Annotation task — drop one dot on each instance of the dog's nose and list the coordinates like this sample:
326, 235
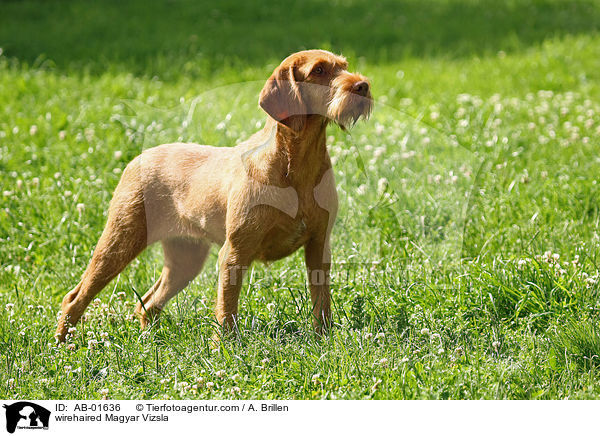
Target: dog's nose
361, 88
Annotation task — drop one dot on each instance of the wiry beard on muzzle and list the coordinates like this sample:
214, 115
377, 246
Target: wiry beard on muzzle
345, 108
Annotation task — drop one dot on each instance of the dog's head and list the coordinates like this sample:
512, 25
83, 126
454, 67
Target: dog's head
316, 82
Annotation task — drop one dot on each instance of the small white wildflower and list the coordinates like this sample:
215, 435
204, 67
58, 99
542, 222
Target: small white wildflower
68, 368
33, 130
235, 378
235, 390
80, 208
496, 345
425, 331
382, 185
271, 307
210, 385
72, 330
35, 181
9, 307
67, 193
221, 373
368, 335
315, 378
384, 362
62, 135
435, 336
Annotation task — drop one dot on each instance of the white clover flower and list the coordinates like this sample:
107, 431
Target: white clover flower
383, 362
382, 185
221, 373
62, 135
80, 208
33, 130
210, 385
425, 331
235, 390
235, 378
368, 335
72, 330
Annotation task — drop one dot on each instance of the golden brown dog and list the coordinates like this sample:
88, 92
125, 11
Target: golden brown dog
260, 200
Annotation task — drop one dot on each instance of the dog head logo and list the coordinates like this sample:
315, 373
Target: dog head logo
26, 415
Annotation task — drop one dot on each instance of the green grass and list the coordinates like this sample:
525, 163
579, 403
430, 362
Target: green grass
478, 168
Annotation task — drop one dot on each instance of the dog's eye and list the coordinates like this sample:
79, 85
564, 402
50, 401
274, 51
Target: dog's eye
318, 71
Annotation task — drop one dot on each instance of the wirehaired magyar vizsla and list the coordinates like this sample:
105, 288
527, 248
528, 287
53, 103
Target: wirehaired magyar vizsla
260, 200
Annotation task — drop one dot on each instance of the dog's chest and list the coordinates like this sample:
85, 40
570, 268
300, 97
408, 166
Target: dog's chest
284, 238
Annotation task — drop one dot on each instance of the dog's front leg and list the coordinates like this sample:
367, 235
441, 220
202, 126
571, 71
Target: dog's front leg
232, 267
318, 263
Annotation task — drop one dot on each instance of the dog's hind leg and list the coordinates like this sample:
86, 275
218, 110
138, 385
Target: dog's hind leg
184, 259
123, 238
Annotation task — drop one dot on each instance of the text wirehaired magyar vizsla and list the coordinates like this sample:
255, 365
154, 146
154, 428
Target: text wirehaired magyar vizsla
260, 200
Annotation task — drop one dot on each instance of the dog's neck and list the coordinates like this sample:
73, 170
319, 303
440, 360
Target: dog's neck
304, 151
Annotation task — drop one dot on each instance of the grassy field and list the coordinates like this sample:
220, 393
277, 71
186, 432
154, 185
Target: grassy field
466, 249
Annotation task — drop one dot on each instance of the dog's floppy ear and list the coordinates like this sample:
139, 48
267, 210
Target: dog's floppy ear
282, 100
